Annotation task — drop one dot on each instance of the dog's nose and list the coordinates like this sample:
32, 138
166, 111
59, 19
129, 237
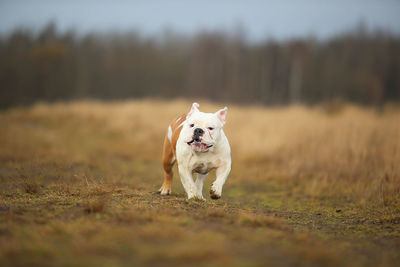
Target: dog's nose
198, 132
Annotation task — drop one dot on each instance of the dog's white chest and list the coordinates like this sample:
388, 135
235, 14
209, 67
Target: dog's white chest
203, 163
203, 167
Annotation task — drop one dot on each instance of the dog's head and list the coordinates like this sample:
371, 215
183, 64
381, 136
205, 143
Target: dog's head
202, 131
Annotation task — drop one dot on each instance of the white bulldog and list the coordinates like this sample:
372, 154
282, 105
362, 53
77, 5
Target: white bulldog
197, 143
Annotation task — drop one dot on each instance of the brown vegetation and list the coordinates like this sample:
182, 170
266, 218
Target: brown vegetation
308, 186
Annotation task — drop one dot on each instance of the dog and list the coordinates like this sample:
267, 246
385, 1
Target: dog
197, 143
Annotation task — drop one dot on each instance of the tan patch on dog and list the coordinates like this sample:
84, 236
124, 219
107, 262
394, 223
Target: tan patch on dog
169, 150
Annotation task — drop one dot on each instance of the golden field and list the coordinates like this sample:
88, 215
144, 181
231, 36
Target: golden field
309, 186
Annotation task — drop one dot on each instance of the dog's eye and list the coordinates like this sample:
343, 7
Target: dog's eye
191, 125
210, 128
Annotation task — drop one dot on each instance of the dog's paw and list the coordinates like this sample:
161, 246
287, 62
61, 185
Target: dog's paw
196, 197
214, 194
164, 191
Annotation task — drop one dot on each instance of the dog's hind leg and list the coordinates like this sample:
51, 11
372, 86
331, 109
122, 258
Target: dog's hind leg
168, 160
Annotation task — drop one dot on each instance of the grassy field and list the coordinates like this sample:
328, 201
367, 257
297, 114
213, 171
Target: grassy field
309, 186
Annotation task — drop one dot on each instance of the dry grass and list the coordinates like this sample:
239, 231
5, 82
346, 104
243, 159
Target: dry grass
316, 186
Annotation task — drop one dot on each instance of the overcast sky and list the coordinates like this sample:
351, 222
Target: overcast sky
261, 19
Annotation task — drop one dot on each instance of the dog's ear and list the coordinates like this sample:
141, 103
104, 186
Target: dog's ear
194, 109
221, 114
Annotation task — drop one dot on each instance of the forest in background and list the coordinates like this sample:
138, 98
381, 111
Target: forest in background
359, 66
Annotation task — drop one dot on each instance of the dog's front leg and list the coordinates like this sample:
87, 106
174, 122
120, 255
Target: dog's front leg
188, 183
222, 174
199, 184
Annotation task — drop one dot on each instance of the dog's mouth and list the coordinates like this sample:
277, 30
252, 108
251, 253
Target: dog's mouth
199, 146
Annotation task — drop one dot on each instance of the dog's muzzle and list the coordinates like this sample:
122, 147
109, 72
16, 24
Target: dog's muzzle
199, 146
196, 143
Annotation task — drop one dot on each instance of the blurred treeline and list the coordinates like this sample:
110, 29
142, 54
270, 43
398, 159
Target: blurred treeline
358, 66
